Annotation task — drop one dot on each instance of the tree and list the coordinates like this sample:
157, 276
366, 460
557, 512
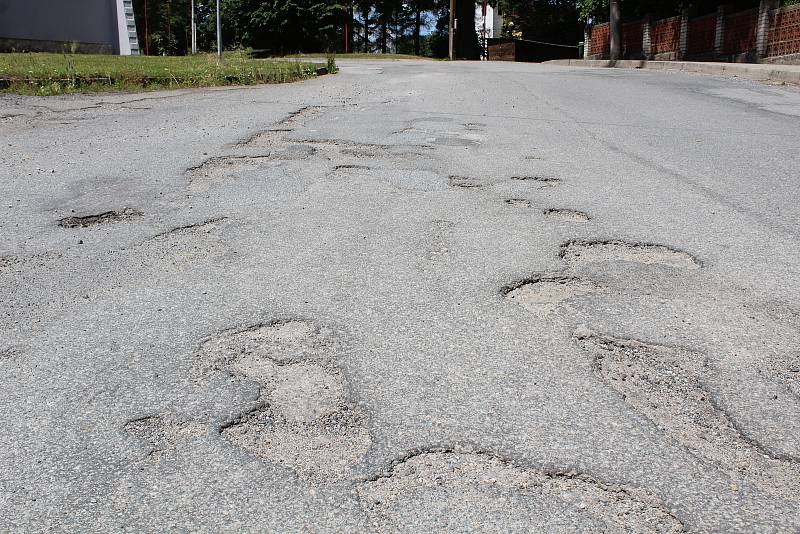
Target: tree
552, 21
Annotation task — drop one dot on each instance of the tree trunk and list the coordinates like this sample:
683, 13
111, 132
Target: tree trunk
365, 14
384, 35
417, 25
615, 29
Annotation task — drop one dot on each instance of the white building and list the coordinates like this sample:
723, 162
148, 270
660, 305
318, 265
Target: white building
492, 20
99, 26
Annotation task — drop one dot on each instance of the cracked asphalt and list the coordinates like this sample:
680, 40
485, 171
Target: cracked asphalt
414, 296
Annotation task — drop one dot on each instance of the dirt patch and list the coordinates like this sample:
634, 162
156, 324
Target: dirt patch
582, 252
518, 202
665, 385
567, 215
163, 432
543, 294
107, 217
463, 181
304, 419
544, 181
464, 491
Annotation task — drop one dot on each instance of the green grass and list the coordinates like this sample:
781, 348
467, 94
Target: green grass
49, 74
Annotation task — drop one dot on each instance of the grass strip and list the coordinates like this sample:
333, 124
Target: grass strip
53, 74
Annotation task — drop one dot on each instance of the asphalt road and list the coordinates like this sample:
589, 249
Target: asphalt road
412, 296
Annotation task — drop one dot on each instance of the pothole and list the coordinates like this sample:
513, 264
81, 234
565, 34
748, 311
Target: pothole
307, 424
304, 420
352, 167
544, 181
463, 181
267, 138
280, 341
582, 252
543, 294
567, 215
301, 116
665, 385
518, 202
163, 432
219, 168
83, 221
459, 491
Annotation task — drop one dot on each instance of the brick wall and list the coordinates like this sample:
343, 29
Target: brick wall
778, 36
702, 32
665, 36
740, 32
784, 31
600, 41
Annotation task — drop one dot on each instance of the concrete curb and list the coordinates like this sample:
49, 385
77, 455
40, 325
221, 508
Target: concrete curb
751, 71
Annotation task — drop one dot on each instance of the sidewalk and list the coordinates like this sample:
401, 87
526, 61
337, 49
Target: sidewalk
751, 71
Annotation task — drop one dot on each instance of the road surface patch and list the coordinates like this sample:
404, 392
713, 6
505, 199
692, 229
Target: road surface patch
665, 385
518, 202
450, 490
163, 432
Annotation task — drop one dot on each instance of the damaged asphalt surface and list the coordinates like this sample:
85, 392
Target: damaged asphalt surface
412, 296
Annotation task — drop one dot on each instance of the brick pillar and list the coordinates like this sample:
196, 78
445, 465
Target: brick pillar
647, 24
683, 39
587, 41
762, 31
719, 36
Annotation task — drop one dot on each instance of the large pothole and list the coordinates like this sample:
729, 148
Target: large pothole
454, 491
665, 385
304, 419
582, 252
541, 295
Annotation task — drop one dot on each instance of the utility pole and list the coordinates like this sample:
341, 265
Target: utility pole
194, 31
146, 32
615, 30
219, 34
452, 32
